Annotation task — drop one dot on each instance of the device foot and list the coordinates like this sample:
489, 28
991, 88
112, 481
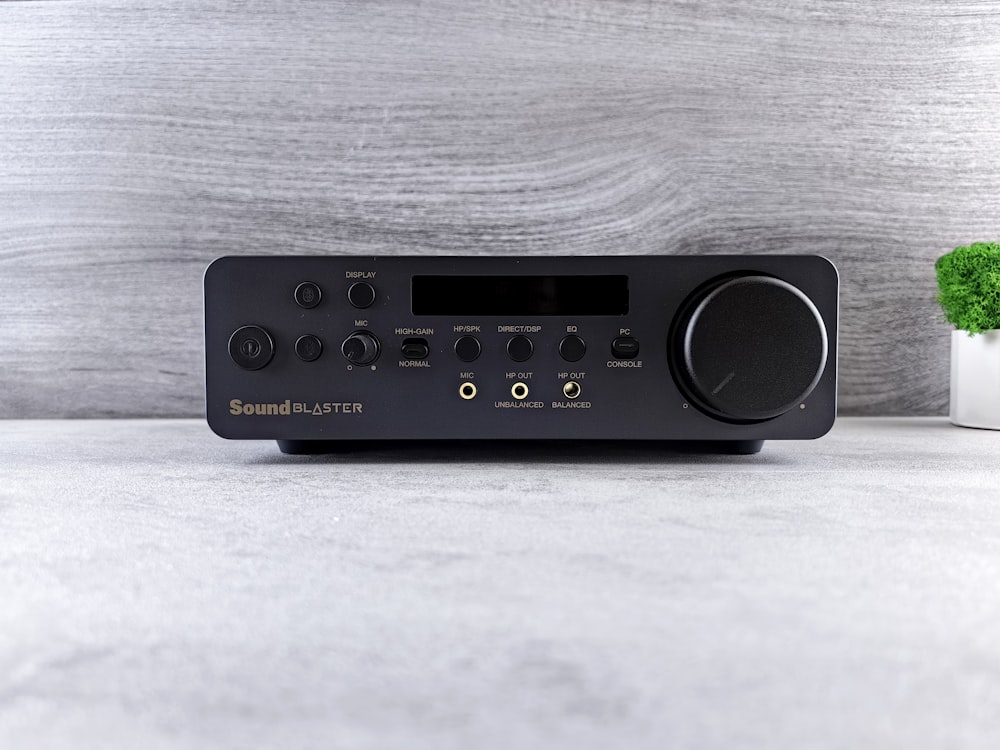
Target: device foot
312, 447
740, 447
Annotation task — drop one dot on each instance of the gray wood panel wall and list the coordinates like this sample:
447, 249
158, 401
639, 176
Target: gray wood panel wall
139, 140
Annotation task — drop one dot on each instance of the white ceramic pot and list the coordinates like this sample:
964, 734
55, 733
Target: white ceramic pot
975, 379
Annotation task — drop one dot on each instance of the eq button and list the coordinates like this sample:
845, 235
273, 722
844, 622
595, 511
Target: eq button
625, 347
520, 348
468, 348
361, 295
572, 348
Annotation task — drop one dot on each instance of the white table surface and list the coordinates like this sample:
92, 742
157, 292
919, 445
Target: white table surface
161, 587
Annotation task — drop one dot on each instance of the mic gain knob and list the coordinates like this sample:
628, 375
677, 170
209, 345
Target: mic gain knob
360, 348
748, 348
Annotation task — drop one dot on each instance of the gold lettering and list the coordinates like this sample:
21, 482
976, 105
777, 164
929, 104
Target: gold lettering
287, 407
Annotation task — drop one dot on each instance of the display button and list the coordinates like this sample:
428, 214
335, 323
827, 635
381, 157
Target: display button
360, 348
520, 348
251, 347
361, 294
625, 347
415, 349
308, 295
572, 348
308, 348
468, 348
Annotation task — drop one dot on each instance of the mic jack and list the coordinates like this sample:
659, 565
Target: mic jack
467, 391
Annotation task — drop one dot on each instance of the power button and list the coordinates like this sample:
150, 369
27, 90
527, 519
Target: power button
251, 347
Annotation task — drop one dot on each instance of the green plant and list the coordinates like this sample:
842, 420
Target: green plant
969, 286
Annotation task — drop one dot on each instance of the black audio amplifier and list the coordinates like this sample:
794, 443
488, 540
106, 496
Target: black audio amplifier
717, 352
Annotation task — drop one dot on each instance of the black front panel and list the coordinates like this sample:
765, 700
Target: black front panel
361, 348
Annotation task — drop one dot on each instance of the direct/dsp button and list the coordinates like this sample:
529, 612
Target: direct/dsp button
572, 348
520, 348
361, 295
625, 347
468, 348
308, 295
251, 347
308, 348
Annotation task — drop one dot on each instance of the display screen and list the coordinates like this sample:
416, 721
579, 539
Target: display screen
520, 295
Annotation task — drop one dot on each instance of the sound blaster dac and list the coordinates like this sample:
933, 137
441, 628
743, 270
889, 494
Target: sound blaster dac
717, 352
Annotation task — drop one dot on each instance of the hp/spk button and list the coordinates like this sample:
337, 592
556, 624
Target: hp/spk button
468, 348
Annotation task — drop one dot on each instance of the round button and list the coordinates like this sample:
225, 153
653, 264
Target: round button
308, 295
520, 348
251, 347
361, 294
750, 348
468, 348
572, 348
308, 348
360, 348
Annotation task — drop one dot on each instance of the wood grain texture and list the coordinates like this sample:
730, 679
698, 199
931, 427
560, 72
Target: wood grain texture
140, 140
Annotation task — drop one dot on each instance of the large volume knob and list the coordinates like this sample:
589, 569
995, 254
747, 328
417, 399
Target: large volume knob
360, 348
749, 348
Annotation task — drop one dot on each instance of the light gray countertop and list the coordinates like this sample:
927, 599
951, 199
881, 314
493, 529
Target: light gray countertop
161, 587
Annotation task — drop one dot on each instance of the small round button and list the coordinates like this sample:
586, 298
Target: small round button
468, 348
572, 348
251, 347
308, 348
520, 348
361, 294
360, 348
308, 295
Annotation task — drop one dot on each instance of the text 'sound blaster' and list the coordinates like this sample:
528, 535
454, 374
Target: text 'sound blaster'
719, 352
